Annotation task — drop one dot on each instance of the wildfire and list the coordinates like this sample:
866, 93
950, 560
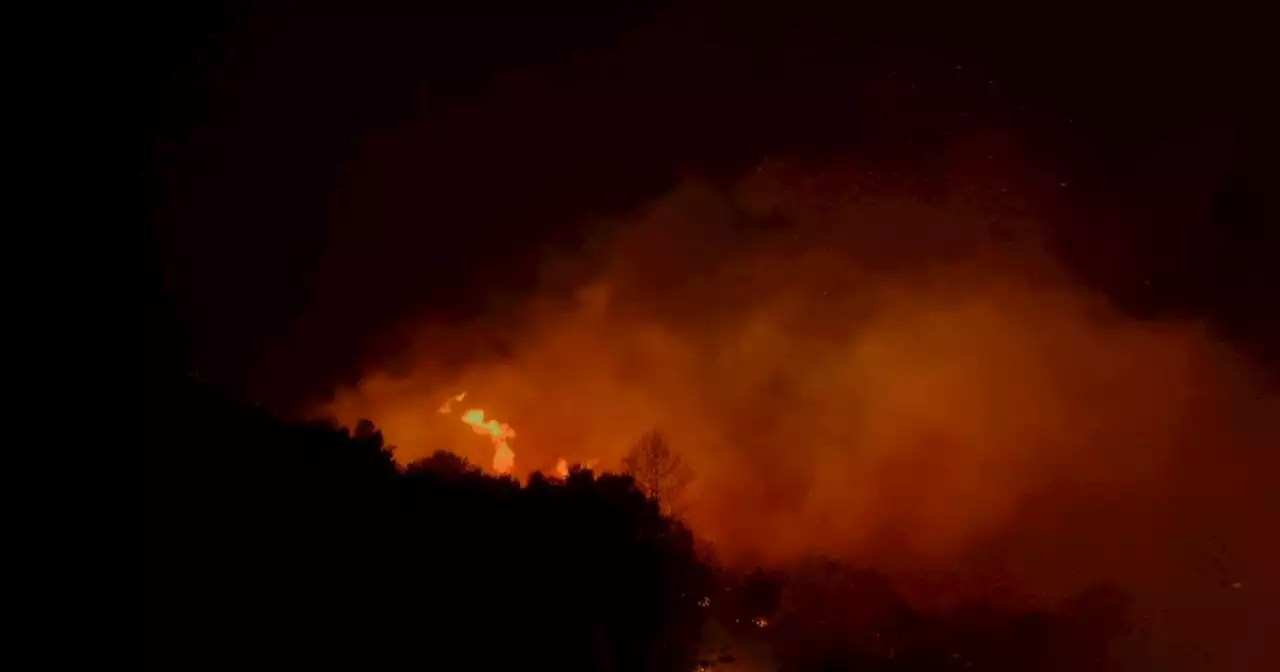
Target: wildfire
504, 459
447, 406
498, 432
562, 466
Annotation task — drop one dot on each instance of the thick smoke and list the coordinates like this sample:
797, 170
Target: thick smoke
907, 379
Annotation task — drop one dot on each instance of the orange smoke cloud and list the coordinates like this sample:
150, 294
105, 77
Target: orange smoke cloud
882, 377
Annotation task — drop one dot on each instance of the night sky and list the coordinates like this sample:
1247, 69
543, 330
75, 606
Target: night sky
320, 173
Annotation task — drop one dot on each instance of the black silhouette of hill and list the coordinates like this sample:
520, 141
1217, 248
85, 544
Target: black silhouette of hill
276, 544
304, 546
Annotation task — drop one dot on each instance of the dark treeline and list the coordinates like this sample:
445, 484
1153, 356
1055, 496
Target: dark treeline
304, 546
298, 547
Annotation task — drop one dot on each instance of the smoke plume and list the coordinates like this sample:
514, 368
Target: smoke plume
903, 377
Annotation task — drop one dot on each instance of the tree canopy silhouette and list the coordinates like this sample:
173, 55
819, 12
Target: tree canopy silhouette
659, 472
306, 546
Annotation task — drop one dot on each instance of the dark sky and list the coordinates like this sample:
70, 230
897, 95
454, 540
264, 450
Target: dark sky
319, 172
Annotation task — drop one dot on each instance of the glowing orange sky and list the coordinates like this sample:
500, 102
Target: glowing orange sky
883, 379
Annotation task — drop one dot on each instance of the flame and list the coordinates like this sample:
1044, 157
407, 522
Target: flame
562, 466
503, 457
447, 407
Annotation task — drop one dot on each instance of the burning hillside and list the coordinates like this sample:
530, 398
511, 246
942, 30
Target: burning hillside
860, 371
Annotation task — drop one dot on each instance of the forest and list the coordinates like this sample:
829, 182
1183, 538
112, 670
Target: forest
307, 546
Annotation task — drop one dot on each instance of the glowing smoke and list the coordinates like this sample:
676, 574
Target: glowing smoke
884, 378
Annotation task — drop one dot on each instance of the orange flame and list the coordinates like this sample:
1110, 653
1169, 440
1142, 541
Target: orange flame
447, 407
498, 432
504, 459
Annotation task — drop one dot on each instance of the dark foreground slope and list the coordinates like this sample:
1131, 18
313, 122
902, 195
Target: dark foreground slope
275, 545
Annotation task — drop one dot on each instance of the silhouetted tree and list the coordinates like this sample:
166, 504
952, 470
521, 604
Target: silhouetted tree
444, 462
659, 472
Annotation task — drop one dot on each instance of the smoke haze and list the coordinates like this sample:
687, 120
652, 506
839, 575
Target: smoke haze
857, 368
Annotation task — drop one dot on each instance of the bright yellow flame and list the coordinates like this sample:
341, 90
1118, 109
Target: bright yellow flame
504, 459
562, 468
